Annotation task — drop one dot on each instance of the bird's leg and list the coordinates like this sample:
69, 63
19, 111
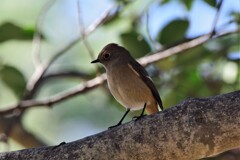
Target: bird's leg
142, 114
120, 122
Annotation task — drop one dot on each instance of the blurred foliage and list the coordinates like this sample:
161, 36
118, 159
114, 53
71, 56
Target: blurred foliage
11, 31
188, 4
209, 69
132, 39
14, 79
173, 33
212, 3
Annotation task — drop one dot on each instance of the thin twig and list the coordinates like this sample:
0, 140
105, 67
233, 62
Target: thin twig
219, 5
84, 37
82, 31
41, 70
88, 31
67, 74
8, 130
95, 82
36, 47
181, 47
82, 88
36, 43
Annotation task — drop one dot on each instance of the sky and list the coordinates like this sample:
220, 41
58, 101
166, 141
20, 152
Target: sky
201, 15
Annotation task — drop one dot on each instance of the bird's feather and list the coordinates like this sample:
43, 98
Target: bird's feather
145, 77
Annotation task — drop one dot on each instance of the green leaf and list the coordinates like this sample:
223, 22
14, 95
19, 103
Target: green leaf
173, 32
11, 31
14, 79
235, 18
188, 3
212, 3
164, 1
135, 43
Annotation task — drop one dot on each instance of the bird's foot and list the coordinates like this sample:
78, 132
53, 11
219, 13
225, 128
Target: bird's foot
114, 126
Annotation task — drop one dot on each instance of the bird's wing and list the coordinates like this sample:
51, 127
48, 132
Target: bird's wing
145, 77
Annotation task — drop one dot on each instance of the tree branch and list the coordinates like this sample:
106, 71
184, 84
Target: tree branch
82, 88
194, 129
38, 77
181, 47
36, 42
32, 84
219, 5
84, 38
67, 74
95, 82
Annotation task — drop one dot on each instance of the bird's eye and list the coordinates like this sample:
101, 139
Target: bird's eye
106, 56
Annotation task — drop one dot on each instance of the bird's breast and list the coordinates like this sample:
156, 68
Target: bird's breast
128, 88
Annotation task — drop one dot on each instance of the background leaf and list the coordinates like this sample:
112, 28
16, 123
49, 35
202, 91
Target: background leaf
14, 79
188, 3
11, 31
135, 43
212, 3
173, 32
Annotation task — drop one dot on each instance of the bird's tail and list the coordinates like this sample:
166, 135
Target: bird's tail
152, 108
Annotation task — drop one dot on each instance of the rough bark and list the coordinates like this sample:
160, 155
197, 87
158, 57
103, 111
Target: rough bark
196, 128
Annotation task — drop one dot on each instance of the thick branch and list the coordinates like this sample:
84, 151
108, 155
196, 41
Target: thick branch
194, 129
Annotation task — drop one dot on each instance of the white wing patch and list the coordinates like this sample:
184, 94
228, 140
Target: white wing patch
129, 65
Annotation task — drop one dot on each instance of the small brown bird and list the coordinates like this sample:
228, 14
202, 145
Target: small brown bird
128, 81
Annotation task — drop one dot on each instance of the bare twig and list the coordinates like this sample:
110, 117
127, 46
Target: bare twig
181, 47
14, 125
36, 47
84, 38
95, 82
82, 31
36, 44
219, 5
41, 70
82, 88
88, 31
76, 74
67, 74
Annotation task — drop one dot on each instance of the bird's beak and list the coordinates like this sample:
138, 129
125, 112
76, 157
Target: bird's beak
95, 61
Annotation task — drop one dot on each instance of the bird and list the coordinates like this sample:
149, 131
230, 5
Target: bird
128, 81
